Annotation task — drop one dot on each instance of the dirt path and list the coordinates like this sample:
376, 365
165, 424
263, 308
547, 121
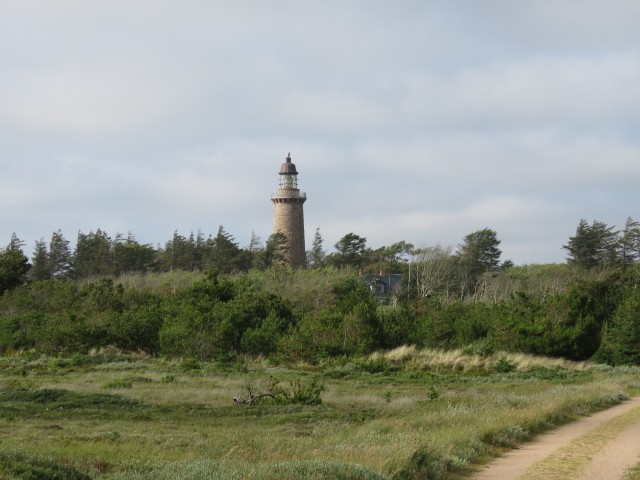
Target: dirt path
601, 446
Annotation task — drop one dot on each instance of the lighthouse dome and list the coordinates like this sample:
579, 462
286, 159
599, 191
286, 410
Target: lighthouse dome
288, 168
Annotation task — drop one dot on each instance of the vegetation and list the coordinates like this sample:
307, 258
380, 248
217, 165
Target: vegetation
310, 315
147, 348
98, 254
403, 413
633, 473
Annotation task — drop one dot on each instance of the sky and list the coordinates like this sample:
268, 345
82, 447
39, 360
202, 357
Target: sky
420, 121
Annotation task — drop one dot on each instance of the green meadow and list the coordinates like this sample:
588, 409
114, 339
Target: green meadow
399, 414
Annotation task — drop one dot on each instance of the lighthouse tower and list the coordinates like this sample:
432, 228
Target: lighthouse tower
288, 217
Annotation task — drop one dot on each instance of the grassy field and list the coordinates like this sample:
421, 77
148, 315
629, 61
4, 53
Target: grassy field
400, 414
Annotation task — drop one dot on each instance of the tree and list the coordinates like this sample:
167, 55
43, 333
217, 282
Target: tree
14, 265
592, 246
255, 244
392, 258
93, 254
15, 243
225, 254
479, 251
620, 342
276, 250
178, 253
431, 270
477, 257
41, 268
131, 256
316, 256
254, 251
350, 251
629, 245
60, 259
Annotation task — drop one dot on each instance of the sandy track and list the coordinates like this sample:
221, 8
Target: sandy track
601, 446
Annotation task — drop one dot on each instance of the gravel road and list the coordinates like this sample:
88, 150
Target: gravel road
601, 446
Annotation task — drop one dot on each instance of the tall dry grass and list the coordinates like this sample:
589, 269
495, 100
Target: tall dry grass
410, 357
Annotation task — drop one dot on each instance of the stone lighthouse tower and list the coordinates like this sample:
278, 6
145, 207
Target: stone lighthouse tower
288, 217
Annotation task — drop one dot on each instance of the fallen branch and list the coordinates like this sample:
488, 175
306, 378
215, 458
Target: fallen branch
252, 398
297, 393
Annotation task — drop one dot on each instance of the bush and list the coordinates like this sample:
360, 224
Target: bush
304, 394
503, 365
377, 365
621, 337
189, 364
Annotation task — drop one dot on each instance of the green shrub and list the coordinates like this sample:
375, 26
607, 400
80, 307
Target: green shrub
503, 365
621, 338
189, 364
305, 394
377, 365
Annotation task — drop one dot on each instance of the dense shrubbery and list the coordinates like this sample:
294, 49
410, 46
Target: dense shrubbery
222, 317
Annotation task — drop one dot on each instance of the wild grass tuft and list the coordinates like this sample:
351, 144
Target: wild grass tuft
411, 357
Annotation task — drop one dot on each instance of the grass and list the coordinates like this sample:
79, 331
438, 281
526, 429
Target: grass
633, 473
407, 413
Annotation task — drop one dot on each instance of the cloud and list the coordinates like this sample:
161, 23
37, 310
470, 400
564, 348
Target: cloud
538, 92
104, 98
421, 121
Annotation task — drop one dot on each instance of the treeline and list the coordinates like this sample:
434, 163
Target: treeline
98, 254
461, 272
246, 303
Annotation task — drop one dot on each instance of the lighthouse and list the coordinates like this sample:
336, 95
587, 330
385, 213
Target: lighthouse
288, 217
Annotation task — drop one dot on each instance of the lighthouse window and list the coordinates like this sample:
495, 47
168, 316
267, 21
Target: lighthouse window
288, 181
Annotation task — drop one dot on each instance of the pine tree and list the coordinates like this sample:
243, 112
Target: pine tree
276, 251
254, 252
477, 258
480, 251
350, 251
255, 244
621, 337
630, 242
60, 260
93, 255
316, 256
41, 267
131, 256
225, 254
15, 243
14, 265
593, 245
178, 253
